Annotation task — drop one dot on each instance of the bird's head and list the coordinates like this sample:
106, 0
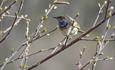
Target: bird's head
59, 18
63, 23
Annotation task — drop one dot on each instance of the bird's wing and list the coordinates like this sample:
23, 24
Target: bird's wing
73, 22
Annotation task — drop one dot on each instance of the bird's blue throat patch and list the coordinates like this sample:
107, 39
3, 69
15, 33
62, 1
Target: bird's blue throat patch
63, 24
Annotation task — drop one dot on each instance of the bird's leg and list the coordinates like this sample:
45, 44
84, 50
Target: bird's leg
65, 40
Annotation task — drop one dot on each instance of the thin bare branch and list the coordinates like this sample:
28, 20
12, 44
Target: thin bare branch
10, 6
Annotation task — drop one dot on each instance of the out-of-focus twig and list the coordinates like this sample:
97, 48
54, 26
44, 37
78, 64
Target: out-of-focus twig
99, 13
30, 55
87, 39
23, 64
15, 20
24, 44
8, 59
10, 6
101, 43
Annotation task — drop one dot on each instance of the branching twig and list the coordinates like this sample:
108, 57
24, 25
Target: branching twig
99, 13
43, 18
19, 19
25, 53
8, 31
10, 58
101, 43
10, 6
24, 44
32, 54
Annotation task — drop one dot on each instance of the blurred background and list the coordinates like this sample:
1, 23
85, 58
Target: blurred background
67, 59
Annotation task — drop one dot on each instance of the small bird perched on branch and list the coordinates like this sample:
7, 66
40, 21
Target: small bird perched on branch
68, 26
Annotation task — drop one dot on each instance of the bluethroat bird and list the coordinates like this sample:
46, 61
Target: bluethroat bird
69, 27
